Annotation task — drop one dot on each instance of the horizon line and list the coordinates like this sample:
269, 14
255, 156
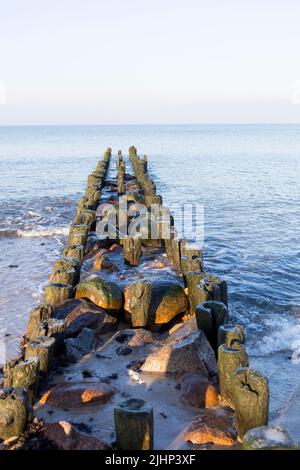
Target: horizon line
160, 124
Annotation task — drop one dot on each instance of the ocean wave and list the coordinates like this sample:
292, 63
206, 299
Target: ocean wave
284, 336
34, 233
43, 232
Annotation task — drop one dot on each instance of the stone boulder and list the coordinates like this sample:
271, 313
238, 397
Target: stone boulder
154, 304
197, 391
103, 262
65, 436
83, 344
81, 313
213, 425
140, 337
103, 293
77, 394
168, 299
183, 351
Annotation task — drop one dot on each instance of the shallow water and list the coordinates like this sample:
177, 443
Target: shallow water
247, 178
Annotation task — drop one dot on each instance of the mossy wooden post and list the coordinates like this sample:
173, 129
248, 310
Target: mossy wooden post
137, 302
229, 360
217, 313
250, 397
191, 250
39, 314
78, 234
74, 251
86, 217
53, 328
230, 335
269, 438
41, 347
176, 252
188, 265
23, 374
15, 412
168, 244
203, 287
134, 425
132, 250
57, 294
66, 263
62, 276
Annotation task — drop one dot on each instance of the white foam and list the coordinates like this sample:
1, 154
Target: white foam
43, 232
284, 336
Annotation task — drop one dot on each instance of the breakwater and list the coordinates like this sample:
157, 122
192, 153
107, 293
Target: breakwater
122, 308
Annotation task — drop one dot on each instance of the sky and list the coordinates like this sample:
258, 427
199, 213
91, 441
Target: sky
143, 62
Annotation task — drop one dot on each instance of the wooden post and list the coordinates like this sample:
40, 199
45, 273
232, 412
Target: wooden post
137, 302
41, 347
250, 396
57, 294
74, 251
230, 334
229, 360
217, 313
132, 250
39, 314
15, 412
269, 438
23, 374
134, 425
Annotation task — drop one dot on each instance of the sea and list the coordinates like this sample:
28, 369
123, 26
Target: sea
244, 179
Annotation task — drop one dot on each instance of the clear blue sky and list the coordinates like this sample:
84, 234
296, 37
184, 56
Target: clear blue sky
157, 61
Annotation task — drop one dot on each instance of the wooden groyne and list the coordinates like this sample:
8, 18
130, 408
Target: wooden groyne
133, 346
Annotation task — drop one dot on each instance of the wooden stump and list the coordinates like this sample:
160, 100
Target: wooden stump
210, 316
134, 425
23, 374
132, 250
230, 335
74, 251
39, 314
229, 360
137, 302
41, 347
15, 412
250, 395
57, 294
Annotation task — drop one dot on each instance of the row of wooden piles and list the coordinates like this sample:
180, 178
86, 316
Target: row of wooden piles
242, 389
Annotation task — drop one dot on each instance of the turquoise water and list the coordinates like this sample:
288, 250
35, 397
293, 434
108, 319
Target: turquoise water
247, 179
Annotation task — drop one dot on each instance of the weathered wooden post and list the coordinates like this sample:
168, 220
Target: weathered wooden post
137, 298
269, 438
250, 396
53, 328
188, 265
15, 412
229, 360
132, 250
86, 217
209, 317
39, 314
134, 425
67, 277
23, 374
230, 334
78, 234
74, 251
41, 347
203, 287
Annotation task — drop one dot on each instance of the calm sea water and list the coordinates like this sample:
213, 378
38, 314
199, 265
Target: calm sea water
247, 178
